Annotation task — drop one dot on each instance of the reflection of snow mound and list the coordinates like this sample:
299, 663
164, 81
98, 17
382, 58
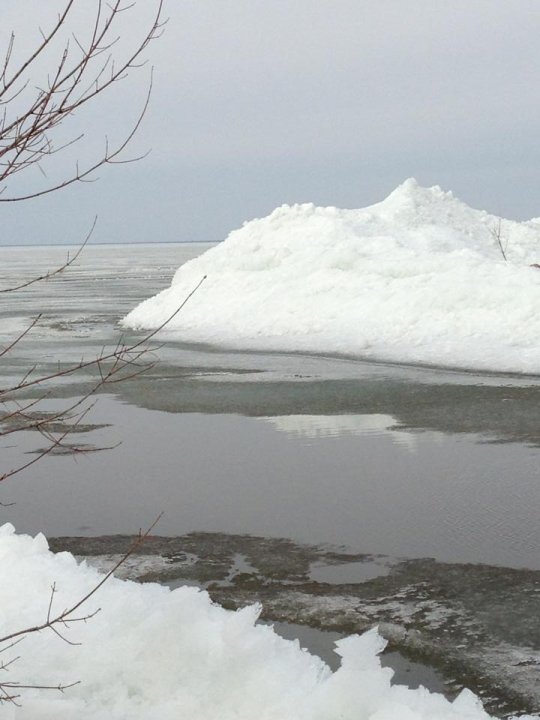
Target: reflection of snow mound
155, 653
318, 426
417, 278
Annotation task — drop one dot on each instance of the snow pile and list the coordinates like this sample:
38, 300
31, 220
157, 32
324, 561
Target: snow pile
419, 278
155, 653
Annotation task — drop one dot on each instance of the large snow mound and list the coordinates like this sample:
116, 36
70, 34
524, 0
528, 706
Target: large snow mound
418, 278
155, 653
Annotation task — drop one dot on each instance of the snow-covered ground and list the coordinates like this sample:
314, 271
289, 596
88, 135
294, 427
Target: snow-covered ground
417, 278
155, 653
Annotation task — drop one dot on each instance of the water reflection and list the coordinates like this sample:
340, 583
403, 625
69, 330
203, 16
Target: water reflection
493, 414
320, 426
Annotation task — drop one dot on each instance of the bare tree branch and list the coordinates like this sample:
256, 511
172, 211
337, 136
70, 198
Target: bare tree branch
26, 138
30, 116
47, 276
9, 691
66, 615
122, 354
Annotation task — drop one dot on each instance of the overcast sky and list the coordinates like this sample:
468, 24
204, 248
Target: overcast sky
262, 102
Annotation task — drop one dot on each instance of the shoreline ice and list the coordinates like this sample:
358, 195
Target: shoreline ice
153, 652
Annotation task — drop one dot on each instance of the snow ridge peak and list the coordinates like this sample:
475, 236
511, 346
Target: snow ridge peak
411, 190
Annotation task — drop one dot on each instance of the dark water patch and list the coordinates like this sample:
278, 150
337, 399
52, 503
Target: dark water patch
406, 672
344, 479
339, 574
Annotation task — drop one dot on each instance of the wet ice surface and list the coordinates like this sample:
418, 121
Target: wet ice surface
383, 461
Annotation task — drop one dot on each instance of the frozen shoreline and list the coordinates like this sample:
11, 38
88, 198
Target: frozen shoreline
444, 615
152, 652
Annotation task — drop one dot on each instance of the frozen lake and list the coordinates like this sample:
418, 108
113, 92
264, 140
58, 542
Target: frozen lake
385, 459
325, 482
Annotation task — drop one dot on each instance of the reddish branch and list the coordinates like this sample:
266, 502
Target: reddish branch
84, 70
29, 119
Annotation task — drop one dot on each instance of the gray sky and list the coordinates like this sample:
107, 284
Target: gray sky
262, 102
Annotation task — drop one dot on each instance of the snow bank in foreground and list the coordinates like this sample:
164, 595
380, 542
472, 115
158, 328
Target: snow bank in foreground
417, 278
155, 653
